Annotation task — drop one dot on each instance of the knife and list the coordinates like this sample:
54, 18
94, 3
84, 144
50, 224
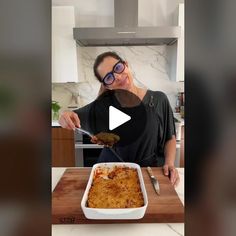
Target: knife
154, 180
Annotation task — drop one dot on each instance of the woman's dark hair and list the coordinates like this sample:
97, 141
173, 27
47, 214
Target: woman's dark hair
99, 60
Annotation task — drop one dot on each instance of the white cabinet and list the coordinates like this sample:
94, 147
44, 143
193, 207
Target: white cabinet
175, 52
64, 57
180, 44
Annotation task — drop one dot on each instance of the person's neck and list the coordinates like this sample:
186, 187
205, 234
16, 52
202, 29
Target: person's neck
134, 89
139, 92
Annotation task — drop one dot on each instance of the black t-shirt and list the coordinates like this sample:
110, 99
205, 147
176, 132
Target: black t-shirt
148, 149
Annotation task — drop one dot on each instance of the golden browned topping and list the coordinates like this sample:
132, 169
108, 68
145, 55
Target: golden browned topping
116, 188
108, 139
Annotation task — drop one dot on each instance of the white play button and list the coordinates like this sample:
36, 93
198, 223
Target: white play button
117, 118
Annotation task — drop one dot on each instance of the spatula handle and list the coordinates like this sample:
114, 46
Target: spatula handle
150, 171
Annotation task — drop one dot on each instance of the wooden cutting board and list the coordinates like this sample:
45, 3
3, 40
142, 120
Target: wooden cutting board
67, 195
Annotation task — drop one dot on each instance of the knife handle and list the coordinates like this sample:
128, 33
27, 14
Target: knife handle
150, 171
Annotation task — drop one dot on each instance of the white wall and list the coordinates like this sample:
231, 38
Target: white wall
92, 13
156, 12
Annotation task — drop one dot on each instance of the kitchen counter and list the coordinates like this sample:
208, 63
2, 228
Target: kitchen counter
55, 124
179, 118
171, 229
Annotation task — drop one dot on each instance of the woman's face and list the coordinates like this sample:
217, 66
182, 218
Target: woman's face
123, 80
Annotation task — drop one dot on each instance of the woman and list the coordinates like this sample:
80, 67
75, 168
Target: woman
157, 144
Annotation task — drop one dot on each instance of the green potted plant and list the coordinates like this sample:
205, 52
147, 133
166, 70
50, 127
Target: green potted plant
55, 108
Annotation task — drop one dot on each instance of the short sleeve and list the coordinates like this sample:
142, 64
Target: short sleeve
94, 116
83, 114
168, 119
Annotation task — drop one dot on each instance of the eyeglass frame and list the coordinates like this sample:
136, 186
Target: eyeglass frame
112, 72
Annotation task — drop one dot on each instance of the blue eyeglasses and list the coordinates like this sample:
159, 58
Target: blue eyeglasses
118, 68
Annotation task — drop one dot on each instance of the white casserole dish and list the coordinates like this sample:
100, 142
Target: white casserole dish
121, 213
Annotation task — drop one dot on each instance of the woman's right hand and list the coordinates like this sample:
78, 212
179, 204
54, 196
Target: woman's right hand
69, 120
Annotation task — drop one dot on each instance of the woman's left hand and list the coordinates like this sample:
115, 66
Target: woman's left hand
172, 172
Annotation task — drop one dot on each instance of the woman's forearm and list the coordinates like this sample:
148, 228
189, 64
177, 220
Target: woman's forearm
170, 151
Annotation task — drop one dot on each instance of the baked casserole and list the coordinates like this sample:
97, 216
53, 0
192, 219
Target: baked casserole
116, 187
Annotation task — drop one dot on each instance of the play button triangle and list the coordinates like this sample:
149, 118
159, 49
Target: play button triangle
117, 118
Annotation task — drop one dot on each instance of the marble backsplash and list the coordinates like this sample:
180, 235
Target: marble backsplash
149, 65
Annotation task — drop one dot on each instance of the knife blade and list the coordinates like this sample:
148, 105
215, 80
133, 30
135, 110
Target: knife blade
154, 180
